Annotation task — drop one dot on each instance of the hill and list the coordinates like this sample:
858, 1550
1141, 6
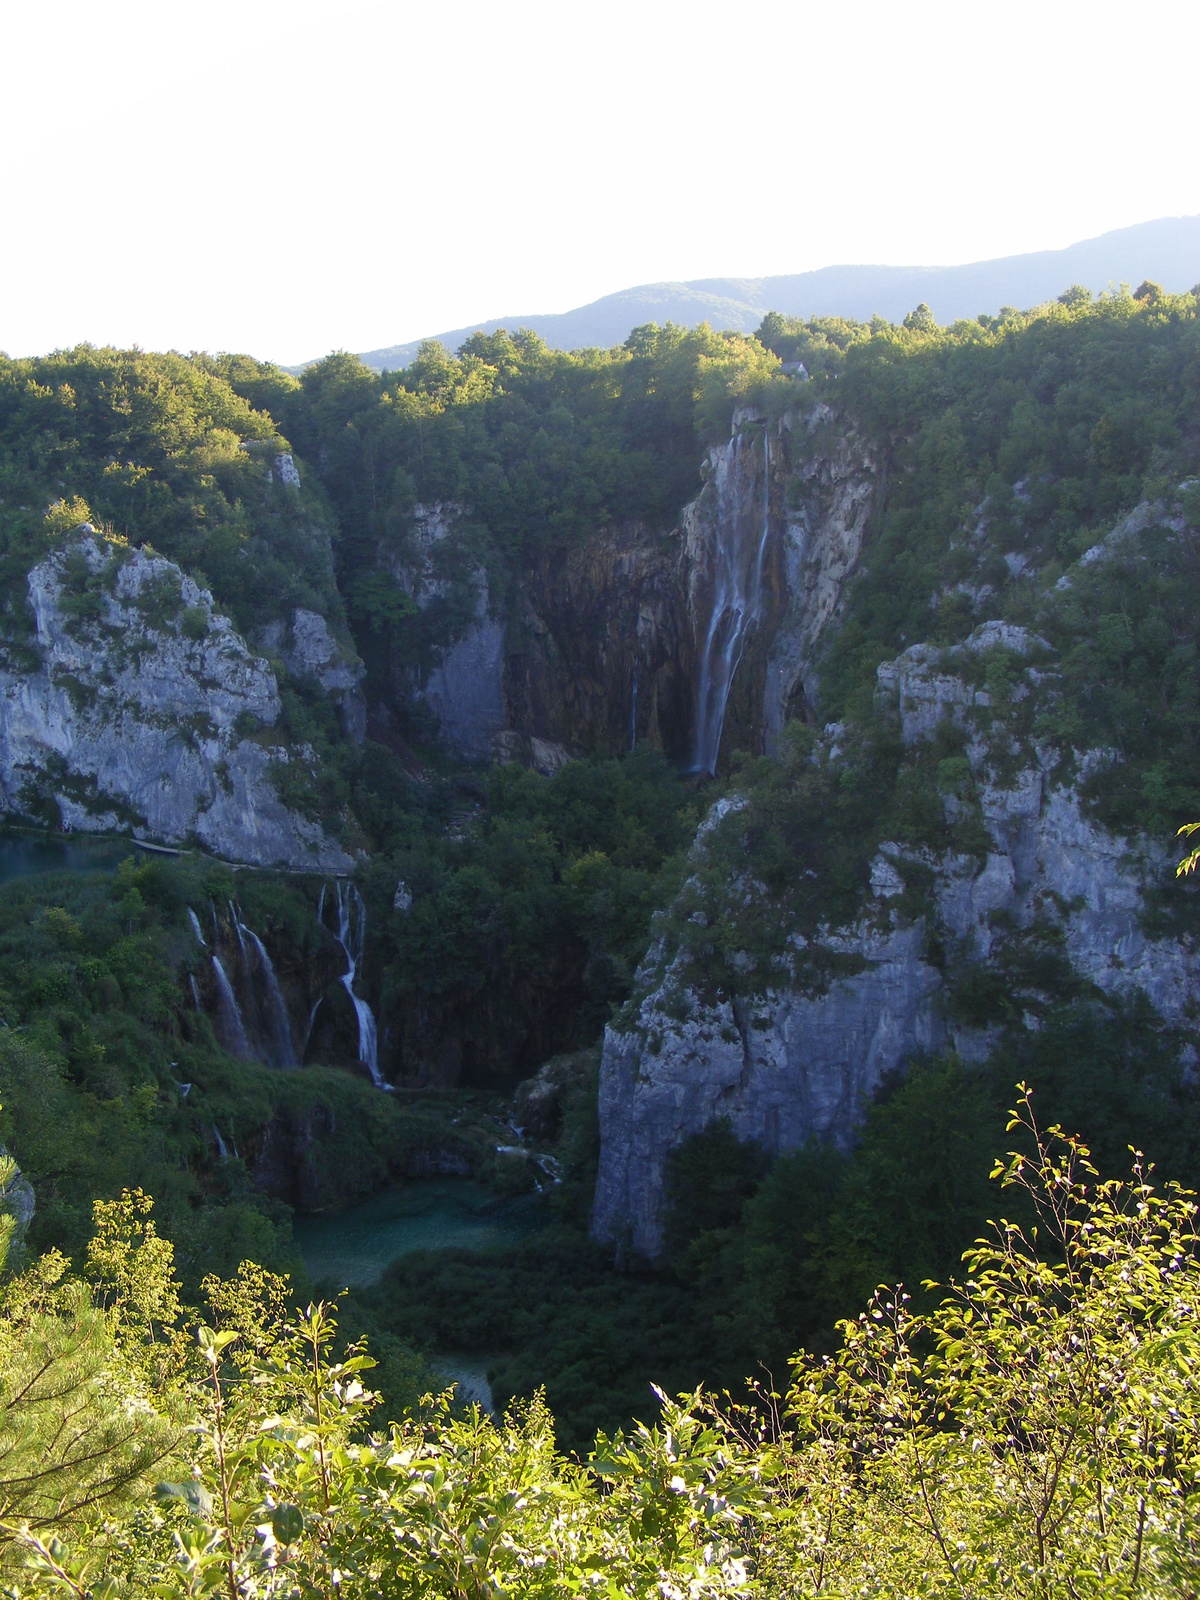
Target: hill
1166, 251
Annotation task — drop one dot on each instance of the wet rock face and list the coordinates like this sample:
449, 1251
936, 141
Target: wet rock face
601, 656
605, 643
148, 711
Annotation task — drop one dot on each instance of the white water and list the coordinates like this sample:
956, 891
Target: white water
281, 1027
739, 557
195, 921
351, 935
195, 992
232, 1026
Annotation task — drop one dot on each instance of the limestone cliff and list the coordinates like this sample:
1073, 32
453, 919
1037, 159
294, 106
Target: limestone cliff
137, 706
798, 1062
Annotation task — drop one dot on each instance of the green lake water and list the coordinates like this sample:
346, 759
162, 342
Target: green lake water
351, 1248
26, 856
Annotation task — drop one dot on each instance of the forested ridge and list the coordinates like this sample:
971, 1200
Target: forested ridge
541, 908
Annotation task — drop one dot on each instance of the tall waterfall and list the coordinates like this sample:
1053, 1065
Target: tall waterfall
233, 1028
739, 555
281, 1028
351, 935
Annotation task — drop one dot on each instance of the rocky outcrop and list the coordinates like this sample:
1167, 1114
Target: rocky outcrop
146, 711
788, 1066
18, 1201
783, 1069
309, 651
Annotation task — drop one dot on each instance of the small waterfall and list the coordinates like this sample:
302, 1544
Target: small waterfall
281, 1027
195, 992
351, 935
195, 921
233, 1029
739, 558
237, 927
224, 1151
312, 1017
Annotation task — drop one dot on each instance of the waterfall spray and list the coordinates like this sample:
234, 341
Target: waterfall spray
740, 556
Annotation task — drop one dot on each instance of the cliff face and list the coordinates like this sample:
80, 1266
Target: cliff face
139, 706
695, 641
791, 1065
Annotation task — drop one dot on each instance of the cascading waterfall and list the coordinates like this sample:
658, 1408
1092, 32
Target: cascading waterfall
281, 1027
351, 936
195, 992
739, 558
195, 921
232, 1026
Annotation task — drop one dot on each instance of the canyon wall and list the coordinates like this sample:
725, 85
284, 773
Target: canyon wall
798, 1063
695, 640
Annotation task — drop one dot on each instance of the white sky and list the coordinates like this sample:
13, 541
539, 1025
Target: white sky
291, 178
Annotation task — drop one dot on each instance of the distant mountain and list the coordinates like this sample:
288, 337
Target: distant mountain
1167, 251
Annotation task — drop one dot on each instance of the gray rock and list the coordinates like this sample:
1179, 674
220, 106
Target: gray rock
784, 1069
789, 1066
141, 716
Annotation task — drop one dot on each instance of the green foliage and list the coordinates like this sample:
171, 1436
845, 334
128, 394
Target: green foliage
276, 1486
530, 911
162, 448
1036, 1433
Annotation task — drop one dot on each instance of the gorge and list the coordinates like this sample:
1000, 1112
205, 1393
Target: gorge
801, 716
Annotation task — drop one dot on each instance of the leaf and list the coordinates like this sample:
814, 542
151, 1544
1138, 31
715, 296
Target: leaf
287, 1523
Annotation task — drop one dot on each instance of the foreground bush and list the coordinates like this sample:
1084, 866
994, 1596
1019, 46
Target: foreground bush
1036, 1435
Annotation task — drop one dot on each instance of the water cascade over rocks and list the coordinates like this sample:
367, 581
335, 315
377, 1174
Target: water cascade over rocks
742, 532
233, 1027
351, 935
252, 1015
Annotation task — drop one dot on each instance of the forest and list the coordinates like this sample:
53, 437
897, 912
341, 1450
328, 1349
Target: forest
751, 1412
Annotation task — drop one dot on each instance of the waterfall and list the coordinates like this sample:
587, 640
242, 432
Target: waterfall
312, 1017
223, 1150
232, 1027
195, 921
237, 927
351, 935
195, 992
281, 1027
739, 557
633, 709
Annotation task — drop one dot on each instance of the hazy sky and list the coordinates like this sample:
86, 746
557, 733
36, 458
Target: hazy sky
290, 178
